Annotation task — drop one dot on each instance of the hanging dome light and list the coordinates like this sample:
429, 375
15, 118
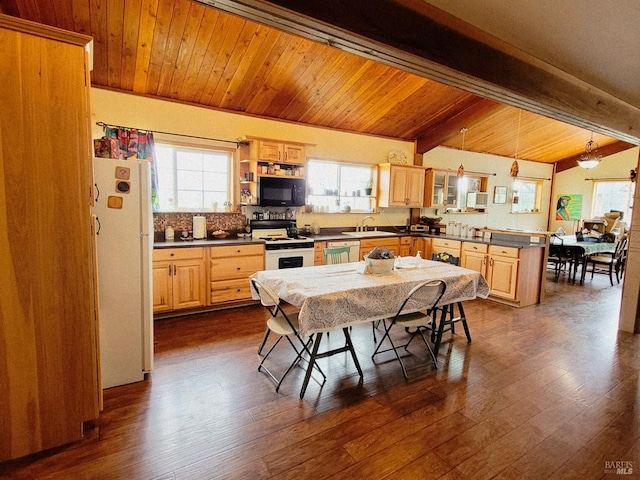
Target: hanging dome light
590, 158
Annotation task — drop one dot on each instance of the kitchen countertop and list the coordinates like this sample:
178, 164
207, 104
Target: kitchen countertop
233, 240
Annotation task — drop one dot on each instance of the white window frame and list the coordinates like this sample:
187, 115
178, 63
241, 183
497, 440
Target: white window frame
596, 210
182, 147
345, 199
516, 205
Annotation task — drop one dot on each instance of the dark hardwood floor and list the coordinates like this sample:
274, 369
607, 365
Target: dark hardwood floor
544, 392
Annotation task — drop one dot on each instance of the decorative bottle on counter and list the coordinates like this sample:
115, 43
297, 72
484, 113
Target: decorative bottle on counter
168, 233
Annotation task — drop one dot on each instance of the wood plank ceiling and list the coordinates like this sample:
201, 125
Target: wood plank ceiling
190, 52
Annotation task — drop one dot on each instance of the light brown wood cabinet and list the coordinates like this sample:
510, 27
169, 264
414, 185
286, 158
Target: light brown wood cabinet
318, 252
400, 185
405, 247
230, 268
502, 271
49, 380
440, 188
179, 278
392, 243
278, 152
445, 245
474, 257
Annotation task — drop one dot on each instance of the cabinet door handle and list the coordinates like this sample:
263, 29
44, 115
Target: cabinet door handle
169, 270
174, 269
491, 262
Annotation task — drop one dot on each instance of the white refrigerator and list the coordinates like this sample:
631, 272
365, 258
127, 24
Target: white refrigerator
124, 233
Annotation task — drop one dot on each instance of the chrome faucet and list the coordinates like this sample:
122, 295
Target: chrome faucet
362, 227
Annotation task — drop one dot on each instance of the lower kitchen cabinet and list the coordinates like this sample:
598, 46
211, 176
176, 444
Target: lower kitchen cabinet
502, 271
230, 269
444, 245
474, 257
405, 246
318, 253
179, 278
392, 244
514, 274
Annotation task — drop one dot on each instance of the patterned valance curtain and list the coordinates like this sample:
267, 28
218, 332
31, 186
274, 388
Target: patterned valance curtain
126, 143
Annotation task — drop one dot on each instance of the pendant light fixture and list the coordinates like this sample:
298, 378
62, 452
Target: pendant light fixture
590, 158
460, 172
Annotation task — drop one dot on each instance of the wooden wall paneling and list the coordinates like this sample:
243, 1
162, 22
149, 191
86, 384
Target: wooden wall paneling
148, 16
100, 36
81, 14
253, 79
194, 26
334, 75
130, 32
182, 85
224, 40
313, 85
63, 14
248, 41
287, 83
172, 45
115, 32
279, 77
160, 34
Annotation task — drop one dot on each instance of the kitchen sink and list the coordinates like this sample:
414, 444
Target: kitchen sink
369, 233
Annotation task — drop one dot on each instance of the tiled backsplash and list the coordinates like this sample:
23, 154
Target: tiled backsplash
231, 222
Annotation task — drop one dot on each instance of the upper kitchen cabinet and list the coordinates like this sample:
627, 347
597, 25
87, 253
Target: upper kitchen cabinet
441, 188
279, 152
48, 354
400, 185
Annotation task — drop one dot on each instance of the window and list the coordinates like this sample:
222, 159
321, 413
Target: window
612, 196
339, 187
192, 179
526, 196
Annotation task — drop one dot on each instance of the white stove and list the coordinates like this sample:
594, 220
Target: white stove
283, 247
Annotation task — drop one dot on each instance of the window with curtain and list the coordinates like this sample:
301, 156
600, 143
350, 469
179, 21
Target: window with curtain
192, 179
339, 187
527, 196
616, 195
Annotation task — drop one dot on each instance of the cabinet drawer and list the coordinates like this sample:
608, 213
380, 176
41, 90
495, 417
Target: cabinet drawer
235, 250
238, 267
496, 250
184, 253
405, 240
445, 243
475, 247
229, 290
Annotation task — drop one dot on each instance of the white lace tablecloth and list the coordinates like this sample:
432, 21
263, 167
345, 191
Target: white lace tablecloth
335, 296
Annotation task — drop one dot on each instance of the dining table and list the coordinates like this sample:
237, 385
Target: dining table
339, 296
580, 250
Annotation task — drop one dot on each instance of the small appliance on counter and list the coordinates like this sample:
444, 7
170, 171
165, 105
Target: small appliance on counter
199, 227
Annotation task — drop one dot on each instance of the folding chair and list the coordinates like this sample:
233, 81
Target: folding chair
418, 311
285, 326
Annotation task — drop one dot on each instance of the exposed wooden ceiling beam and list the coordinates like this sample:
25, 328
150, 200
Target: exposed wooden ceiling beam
417, 37
449, 128
605, 151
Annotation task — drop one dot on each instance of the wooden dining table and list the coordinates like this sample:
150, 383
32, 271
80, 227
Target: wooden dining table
336, 297
580, 251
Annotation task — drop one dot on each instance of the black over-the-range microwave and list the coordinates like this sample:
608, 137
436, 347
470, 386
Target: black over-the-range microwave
281, 192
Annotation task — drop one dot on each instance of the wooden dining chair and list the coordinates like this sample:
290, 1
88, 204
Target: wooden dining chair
418, 310
448, 318
559, 258
609, 262
285, 326
333, 255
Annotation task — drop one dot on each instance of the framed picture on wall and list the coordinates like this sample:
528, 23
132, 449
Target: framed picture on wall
500, 195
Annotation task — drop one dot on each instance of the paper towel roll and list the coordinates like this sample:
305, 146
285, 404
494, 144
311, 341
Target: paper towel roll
199, 227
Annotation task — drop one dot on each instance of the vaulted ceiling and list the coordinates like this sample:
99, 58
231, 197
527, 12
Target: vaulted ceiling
191, 52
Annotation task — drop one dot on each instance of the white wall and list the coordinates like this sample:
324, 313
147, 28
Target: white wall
158, 115
497, 215
573, 181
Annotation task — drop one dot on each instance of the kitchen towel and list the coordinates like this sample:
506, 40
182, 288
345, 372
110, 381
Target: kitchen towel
199, 227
